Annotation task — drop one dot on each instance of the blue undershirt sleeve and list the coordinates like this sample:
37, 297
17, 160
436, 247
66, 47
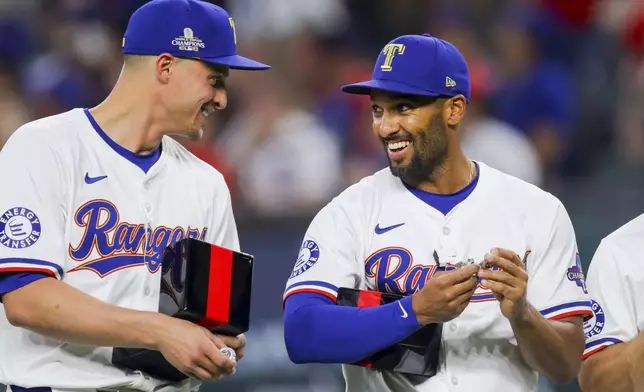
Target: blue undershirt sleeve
13, 281
316, 330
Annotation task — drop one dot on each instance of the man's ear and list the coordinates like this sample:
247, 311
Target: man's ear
164, 65
454, 110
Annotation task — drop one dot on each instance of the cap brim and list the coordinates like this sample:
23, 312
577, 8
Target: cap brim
365, 88
237, 62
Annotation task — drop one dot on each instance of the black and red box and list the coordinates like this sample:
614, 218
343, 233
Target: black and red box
202, 283
418, 354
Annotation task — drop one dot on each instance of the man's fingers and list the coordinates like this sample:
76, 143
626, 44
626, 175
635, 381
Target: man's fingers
213, 360
464, 298
234, 342
496, 287
207, 367
240, 353
215, 339
506, 266
502, 263
216, 357
237, 343
220, 363
509, 255
460, 275
199, 373
464, 287
499, 276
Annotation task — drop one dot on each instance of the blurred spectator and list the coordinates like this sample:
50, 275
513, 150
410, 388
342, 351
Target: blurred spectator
13, 110
348, 116
500, 146
208, 151
283, 19
534, 95
625, 20
287, 162
485, 138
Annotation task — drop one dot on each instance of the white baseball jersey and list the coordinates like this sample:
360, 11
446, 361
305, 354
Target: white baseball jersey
75, 207
378, 236
615, 286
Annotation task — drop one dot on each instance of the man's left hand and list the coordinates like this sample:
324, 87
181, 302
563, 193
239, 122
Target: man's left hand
508, 284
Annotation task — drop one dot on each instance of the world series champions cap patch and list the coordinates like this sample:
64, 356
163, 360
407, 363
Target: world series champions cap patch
186, 28
418, 65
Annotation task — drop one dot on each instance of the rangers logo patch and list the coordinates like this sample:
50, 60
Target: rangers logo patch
309, 255
19, 228
576, 274
595, 325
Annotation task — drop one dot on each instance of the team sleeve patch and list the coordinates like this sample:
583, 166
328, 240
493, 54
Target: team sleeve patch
595, 325
31, 265
19, 228
592, 330
568, 309
312, 286
308, 256
598, 345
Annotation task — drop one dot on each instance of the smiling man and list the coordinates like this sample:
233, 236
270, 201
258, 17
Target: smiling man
409, 230
91, 198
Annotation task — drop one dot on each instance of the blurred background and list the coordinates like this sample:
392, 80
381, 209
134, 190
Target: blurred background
558, 100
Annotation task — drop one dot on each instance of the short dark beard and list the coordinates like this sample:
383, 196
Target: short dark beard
430, 152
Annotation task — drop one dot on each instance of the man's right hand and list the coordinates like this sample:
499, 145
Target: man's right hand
55, 309
193, 350
445, 296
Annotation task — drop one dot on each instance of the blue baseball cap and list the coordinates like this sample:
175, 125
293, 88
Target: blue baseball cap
418, 65
186, 28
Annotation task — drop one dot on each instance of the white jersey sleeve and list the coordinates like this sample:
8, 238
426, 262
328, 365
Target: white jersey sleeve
32, 205
556, 285
327, 259
614, 300
223, 228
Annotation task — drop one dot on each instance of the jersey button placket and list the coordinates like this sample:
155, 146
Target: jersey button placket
147, 212
147, 208
447, 251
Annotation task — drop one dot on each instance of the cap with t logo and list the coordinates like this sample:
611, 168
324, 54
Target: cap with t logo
418, 65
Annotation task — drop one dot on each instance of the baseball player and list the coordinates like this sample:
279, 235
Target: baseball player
91, 197
613, 358
404, 229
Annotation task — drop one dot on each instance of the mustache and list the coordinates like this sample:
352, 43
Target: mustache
398, 137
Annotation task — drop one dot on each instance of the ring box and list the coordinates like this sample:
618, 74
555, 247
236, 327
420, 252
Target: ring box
418, 354
202, 283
